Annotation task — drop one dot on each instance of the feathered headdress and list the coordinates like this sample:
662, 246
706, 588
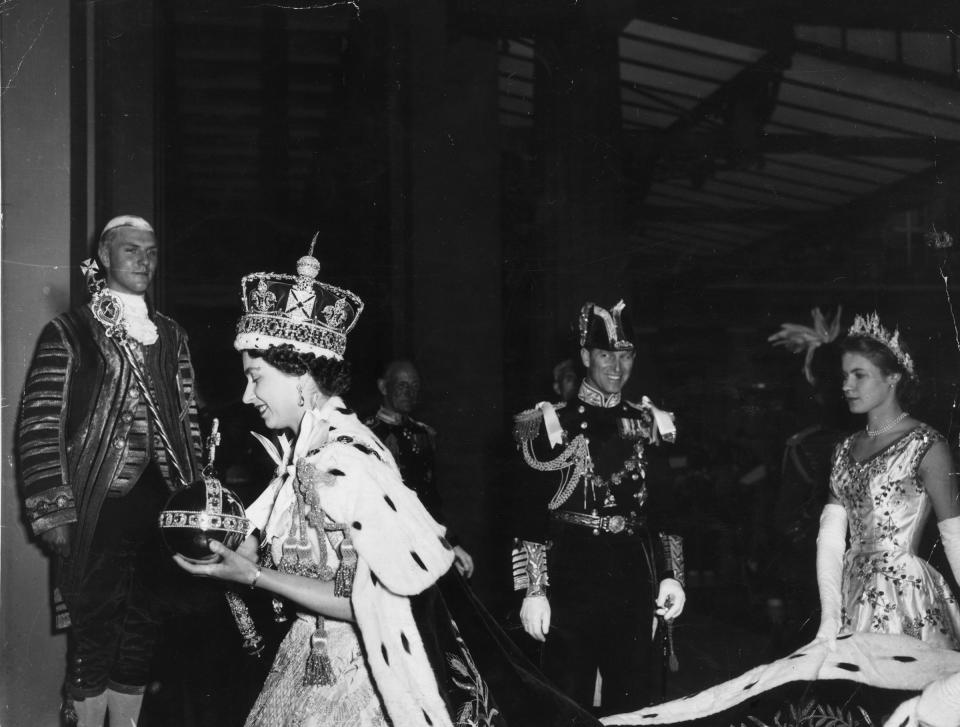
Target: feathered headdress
797, 338
607, 329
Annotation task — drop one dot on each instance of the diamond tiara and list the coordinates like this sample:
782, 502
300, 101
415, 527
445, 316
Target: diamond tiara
869, 326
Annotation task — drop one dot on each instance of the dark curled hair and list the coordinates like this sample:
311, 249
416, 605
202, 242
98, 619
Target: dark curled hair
908, 389
332, 376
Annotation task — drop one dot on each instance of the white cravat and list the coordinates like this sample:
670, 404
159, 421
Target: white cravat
136, 319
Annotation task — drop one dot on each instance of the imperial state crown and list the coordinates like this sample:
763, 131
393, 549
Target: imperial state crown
298, 310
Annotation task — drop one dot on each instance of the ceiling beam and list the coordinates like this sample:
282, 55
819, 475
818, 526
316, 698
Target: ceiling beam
867, 146
912, 192
770, 64
729, 215
822, 144
743, 21
896, 69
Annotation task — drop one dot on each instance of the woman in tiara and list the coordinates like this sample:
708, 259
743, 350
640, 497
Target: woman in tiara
363, 564
885, 480
889, 624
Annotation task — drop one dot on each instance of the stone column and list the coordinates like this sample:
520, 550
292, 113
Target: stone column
453, 258
582, 252
125, 110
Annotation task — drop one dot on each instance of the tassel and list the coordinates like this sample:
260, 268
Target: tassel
319, 669
69, 711
343, 583
61, 617
252, 641
278, 613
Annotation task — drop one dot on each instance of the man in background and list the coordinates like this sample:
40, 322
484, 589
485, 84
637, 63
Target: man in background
412, 444
566, 380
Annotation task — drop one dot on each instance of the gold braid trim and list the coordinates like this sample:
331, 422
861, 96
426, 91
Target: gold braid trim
673, 556
538, 576
252, 640
526, 425
574, 463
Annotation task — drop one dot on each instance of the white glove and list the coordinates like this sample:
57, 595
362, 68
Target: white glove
905, 715
535, 616
939, 705
831, 542
950, 535
670, 599
463, 561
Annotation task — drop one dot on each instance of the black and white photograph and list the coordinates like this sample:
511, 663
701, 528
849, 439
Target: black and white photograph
479, 363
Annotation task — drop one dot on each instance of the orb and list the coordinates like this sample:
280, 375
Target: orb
204, 511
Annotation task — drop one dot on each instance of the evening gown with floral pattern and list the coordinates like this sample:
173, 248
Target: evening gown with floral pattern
887, 587
900, 620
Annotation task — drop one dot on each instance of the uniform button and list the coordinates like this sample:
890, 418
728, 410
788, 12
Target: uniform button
134, 392
118, 443
126, 417
586, 440
580, 410
583, 425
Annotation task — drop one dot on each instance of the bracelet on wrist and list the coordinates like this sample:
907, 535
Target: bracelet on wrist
256, 577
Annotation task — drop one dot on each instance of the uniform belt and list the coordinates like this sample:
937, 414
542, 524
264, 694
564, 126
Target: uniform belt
614, 524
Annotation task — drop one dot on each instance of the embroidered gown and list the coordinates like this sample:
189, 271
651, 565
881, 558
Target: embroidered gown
287, 699
339, 511
887, 587
900, 621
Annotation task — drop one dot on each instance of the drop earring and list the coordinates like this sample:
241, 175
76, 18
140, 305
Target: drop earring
300, 394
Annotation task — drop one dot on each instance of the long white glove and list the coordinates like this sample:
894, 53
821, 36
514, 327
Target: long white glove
831, 542
938, 706
950, 535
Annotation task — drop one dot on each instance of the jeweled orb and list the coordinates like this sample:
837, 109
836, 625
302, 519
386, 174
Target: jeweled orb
204, 511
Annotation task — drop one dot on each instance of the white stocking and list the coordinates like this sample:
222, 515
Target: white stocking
91, 711
124, 708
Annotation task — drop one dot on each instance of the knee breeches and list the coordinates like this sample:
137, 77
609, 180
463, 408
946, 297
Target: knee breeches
115, 624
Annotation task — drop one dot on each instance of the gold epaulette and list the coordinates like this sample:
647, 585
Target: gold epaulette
431, 432
526, 424
664, 421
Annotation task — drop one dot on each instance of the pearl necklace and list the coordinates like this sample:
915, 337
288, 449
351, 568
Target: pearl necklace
886, 427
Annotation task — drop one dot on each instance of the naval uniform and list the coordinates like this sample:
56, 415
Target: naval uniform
587, 504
